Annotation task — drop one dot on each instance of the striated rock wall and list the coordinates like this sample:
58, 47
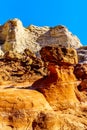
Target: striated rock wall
15, 37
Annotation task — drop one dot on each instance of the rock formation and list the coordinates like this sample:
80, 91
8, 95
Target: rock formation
41, 90
13, 36
59, 56
59, 86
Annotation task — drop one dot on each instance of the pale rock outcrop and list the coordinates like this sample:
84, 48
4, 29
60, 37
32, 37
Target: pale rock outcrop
58, 36
15, 37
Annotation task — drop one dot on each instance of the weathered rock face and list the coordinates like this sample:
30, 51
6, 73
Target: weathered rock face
22, 69
13, 36
59, 86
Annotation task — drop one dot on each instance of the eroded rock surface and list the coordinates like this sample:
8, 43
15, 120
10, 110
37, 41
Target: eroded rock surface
20, 69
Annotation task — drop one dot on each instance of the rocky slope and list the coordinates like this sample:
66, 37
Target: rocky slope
41, 93
13, 36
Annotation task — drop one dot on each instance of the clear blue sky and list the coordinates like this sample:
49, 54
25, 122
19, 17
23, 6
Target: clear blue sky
71, 13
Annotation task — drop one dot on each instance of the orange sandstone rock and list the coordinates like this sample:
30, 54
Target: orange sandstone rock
58, 87
18, 108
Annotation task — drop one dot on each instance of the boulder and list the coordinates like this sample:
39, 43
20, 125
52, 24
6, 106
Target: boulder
59, 55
